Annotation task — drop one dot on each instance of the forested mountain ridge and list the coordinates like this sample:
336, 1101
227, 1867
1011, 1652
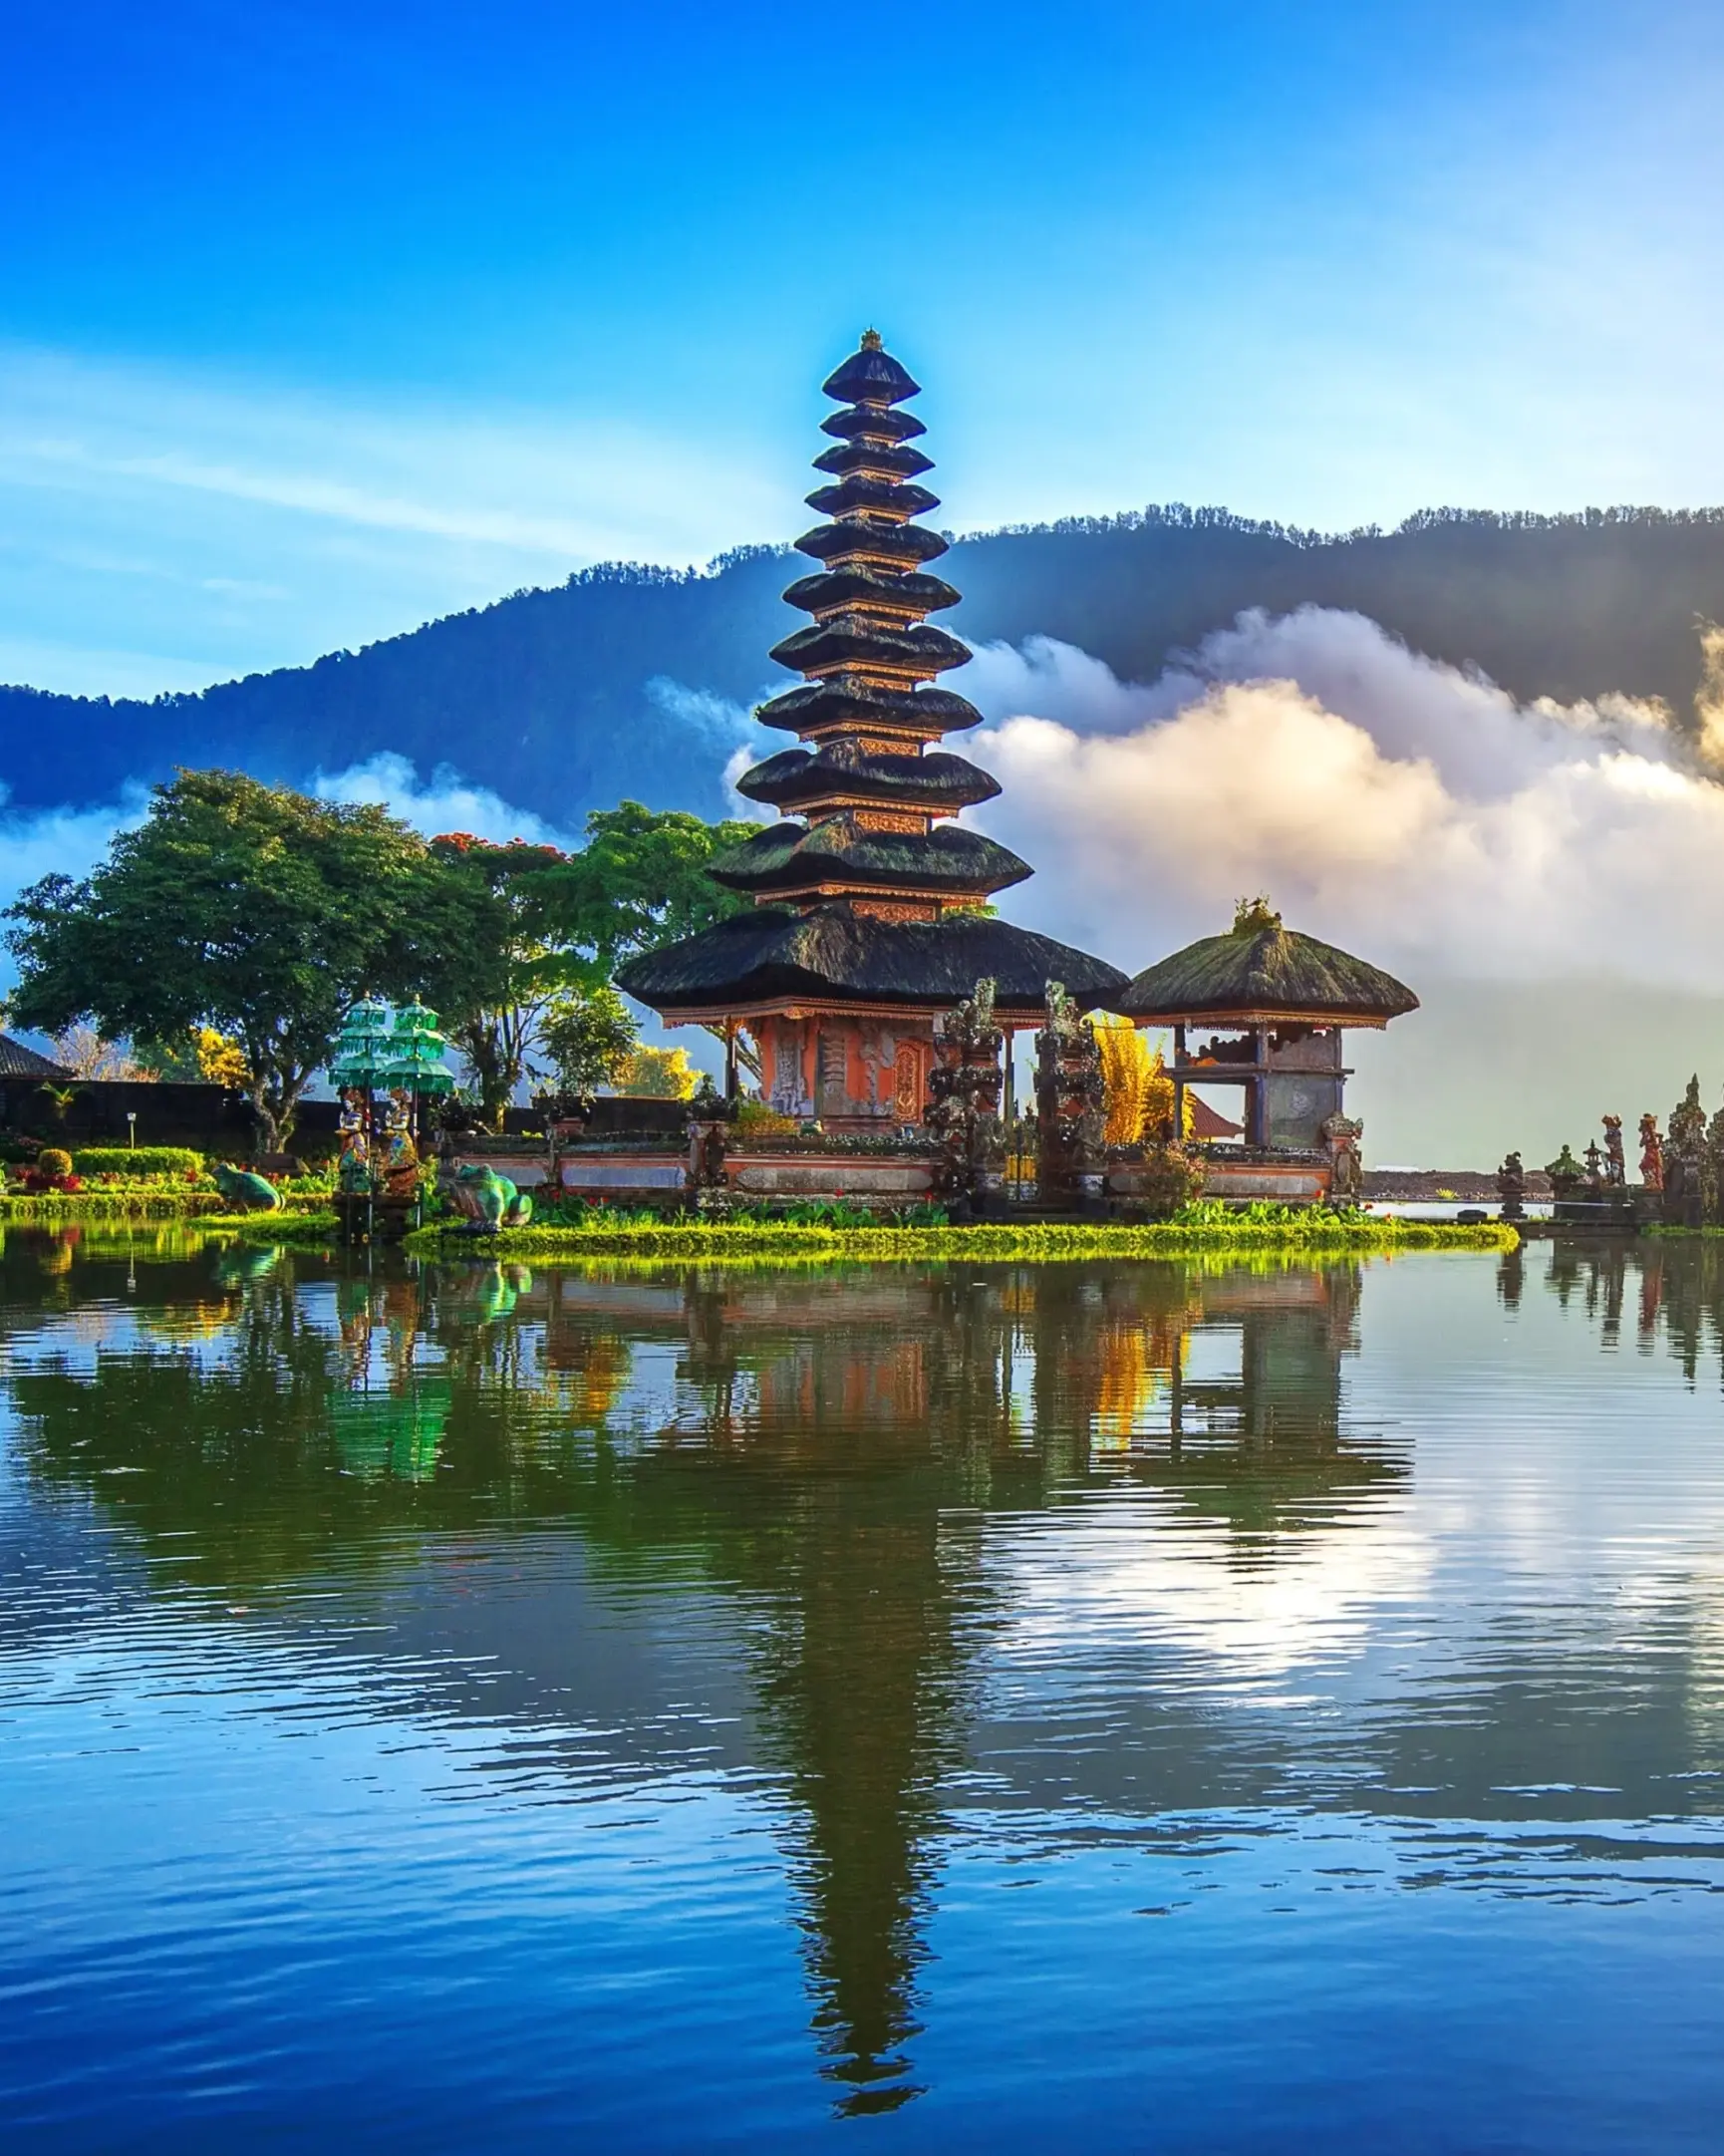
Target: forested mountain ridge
546, 697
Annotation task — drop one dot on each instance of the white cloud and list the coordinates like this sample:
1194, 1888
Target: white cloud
57, 841
447, 802
1387, 803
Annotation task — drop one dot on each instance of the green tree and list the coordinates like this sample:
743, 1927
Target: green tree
589, 1036
524, 925
503, 951
641, 880
236, 905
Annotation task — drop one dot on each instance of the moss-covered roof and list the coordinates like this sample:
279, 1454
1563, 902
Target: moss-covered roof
815, 705
910, 594
794, 777
908, 543
793, 856
871, 375
863, 641
892, 498
896, 459
871, 420
1259, 969
831, 955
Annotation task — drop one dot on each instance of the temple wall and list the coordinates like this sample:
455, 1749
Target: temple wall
847, 1072
1298, 1104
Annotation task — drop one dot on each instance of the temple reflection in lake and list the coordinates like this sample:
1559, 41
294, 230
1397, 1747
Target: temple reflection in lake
840, 1456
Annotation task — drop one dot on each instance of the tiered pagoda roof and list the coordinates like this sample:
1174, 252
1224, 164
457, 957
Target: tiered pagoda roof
867, 891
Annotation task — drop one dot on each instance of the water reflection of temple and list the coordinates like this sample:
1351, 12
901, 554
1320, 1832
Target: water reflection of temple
823, 1446
848, 1432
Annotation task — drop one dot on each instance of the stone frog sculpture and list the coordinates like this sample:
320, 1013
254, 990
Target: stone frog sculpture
241, 1187
489, 1201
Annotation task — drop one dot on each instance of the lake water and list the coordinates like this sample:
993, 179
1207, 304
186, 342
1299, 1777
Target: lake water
1131, 1707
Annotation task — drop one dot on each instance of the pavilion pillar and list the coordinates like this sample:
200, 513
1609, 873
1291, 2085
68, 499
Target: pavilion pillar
1179, 1086
1256, 1120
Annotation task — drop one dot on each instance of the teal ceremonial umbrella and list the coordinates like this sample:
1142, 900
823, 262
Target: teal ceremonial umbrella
414, 1060
362, 1053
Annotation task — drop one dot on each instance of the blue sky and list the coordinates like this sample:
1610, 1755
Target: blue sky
317, 321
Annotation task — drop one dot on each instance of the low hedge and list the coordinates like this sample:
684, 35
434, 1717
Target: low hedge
136, 1162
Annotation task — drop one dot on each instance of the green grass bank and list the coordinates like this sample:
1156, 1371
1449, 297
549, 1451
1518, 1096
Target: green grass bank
1305, 1231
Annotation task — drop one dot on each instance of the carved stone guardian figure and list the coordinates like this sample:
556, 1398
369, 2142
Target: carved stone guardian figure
964, 1089
1651, 1153
1070, 1096
1511, 1188
1342, 1135
1686, 1162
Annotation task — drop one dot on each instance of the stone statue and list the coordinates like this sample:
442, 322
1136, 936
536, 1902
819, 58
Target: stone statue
353, 1170
239, 1186
1715, 1162
1511, 1188
489, 1201
1070, 1097
964, 1089
1686, 1196
1342, 1135
1615, 1167
1566, 1173
1651, 1153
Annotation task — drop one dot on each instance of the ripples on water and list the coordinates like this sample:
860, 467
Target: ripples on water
1189, 1707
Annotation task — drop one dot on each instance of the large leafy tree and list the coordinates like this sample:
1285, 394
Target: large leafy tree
529, 932
589, 1036
239, 906
504, 954
641, 880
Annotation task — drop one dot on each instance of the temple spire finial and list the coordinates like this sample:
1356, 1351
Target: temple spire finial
872, 341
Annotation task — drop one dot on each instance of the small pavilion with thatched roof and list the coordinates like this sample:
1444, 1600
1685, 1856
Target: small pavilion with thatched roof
1272, 1006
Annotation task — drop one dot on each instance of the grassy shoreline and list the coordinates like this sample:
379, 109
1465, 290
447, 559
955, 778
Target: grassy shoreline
1331, 1234
199, 1208
310, 1220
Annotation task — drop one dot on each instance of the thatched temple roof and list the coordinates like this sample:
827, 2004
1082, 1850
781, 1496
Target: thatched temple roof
1261, 971
832, 956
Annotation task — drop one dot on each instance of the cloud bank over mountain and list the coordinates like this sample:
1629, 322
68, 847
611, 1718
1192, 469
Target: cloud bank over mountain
1385, 801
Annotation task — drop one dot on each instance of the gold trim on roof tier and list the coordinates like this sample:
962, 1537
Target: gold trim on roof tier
876, 744
1011, 1014
948, 900
827, 806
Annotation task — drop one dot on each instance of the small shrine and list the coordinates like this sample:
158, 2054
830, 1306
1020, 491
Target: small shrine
380, 1173
1266, 1009
870, 915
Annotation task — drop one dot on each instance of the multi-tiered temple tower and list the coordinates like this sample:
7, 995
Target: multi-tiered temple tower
867, 920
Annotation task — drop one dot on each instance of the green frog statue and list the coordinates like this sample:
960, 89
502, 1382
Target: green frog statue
239, 1186
489, 1201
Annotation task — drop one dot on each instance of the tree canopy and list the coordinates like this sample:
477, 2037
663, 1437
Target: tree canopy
248, 908
250, 918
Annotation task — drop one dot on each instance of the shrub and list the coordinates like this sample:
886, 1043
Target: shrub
137, 1163
54, 1162
759, 1120
1172, 1179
